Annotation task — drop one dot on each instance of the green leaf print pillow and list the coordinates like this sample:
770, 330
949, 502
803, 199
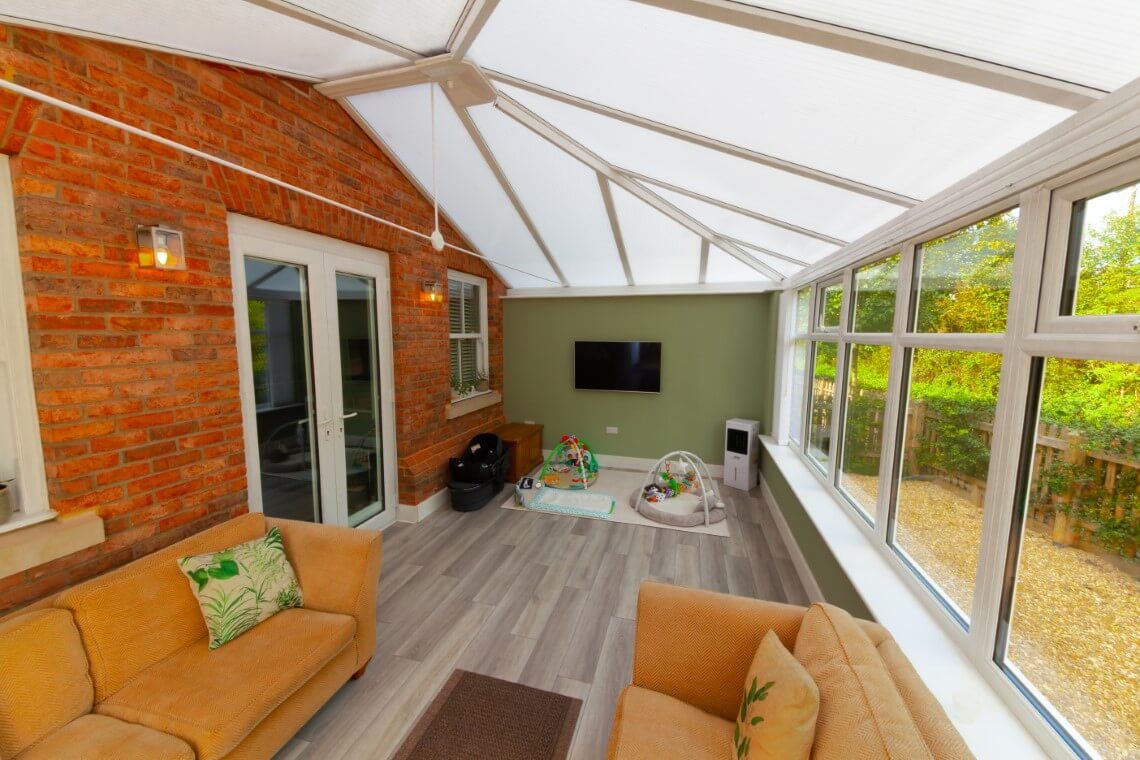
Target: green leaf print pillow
239, 587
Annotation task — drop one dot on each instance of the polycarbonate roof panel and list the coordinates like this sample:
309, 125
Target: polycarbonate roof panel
785, 268
1089, 43
660, 251
561, 196
734, 225
803, 202
723, 267
884, 125
468, 191
240, 32
420, 25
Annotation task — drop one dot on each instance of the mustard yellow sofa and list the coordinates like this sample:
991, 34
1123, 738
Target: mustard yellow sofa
117, 668
692, 652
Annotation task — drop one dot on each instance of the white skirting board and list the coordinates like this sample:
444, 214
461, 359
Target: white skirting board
797, 556
416, 512
637, 463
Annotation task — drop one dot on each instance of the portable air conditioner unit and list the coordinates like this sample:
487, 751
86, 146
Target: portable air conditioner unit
742, 454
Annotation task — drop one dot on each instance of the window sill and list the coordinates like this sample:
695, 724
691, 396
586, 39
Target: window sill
33, 543
473, 403
979, 713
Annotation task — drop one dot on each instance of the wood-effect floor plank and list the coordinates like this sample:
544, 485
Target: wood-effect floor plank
540, 599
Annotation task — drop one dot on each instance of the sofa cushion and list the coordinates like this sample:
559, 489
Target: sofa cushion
937, 731
655, 726
779, 706
241, 586
861, 713
97, 737
133, 617
43, 677
213, 699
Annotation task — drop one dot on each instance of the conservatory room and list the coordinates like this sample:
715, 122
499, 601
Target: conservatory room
554, 379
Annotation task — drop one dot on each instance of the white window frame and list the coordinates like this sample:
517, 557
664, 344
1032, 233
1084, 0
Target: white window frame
481, 336
28, 489
1049, 318
1037, 278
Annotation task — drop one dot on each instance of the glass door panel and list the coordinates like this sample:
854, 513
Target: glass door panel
360, 434
281, 349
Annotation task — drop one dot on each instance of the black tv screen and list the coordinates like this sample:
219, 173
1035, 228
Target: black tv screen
633, 366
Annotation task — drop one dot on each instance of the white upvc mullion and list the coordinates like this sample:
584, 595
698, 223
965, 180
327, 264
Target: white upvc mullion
783, 382
1009, 421
838, 405
894, 398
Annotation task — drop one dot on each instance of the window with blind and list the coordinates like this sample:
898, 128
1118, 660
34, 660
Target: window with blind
467, 315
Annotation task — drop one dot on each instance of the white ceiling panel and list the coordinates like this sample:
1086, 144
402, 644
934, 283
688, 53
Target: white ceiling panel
726, 268
1091, 43
561, 196
895, 128
468, 190
734, 225
803, 202
785, 268
240, 32
423, 26
660, 251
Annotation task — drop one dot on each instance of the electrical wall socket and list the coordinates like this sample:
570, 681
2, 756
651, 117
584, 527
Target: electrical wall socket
611, 430
528, 422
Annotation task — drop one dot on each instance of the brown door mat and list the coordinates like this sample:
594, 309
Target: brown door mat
476, 716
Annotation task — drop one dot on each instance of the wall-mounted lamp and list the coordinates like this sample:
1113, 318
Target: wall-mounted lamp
160, 248
433, 291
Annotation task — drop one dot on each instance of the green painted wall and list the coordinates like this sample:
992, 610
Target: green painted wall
833, 582
716, 359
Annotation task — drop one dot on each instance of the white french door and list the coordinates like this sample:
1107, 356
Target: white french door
314, 338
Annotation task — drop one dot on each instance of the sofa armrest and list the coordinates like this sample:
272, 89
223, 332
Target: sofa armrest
339, 571
697, 646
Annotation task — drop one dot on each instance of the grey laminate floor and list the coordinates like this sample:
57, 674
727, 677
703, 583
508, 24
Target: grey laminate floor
541, 599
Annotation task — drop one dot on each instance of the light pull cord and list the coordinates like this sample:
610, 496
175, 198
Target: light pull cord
436, 235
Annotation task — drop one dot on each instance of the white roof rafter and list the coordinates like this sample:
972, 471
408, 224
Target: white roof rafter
332, 25
544, 129
993, 76
615, 227
736, 151
497, 170
734, 208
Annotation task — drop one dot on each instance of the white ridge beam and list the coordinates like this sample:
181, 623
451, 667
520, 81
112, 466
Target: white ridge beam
962, 68
544, 129
497, 170
734, 208
331, 25
736, 151
611, 212
472, 21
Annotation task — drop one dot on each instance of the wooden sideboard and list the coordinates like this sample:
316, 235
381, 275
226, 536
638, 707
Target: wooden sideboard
524, 442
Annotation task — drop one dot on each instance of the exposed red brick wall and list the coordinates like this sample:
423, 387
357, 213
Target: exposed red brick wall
135, 370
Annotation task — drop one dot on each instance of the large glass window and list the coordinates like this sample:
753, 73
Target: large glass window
830, 305
868, 368
822, 399
952, 396
964, 278
875, 288
467, 309
1074, 621
1104, 255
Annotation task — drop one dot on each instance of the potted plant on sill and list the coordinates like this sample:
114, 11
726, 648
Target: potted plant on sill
460, 388
482, 382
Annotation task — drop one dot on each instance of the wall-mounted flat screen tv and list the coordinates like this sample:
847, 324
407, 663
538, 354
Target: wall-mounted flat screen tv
629, 365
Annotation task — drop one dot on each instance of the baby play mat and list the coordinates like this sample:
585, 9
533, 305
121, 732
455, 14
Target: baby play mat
678, 490
571, 465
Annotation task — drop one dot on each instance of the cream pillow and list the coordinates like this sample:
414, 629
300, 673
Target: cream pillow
779, 708
239, 587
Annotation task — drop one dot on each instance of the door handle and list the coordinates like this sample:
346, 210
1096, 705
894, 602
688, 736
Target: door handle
329, 421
